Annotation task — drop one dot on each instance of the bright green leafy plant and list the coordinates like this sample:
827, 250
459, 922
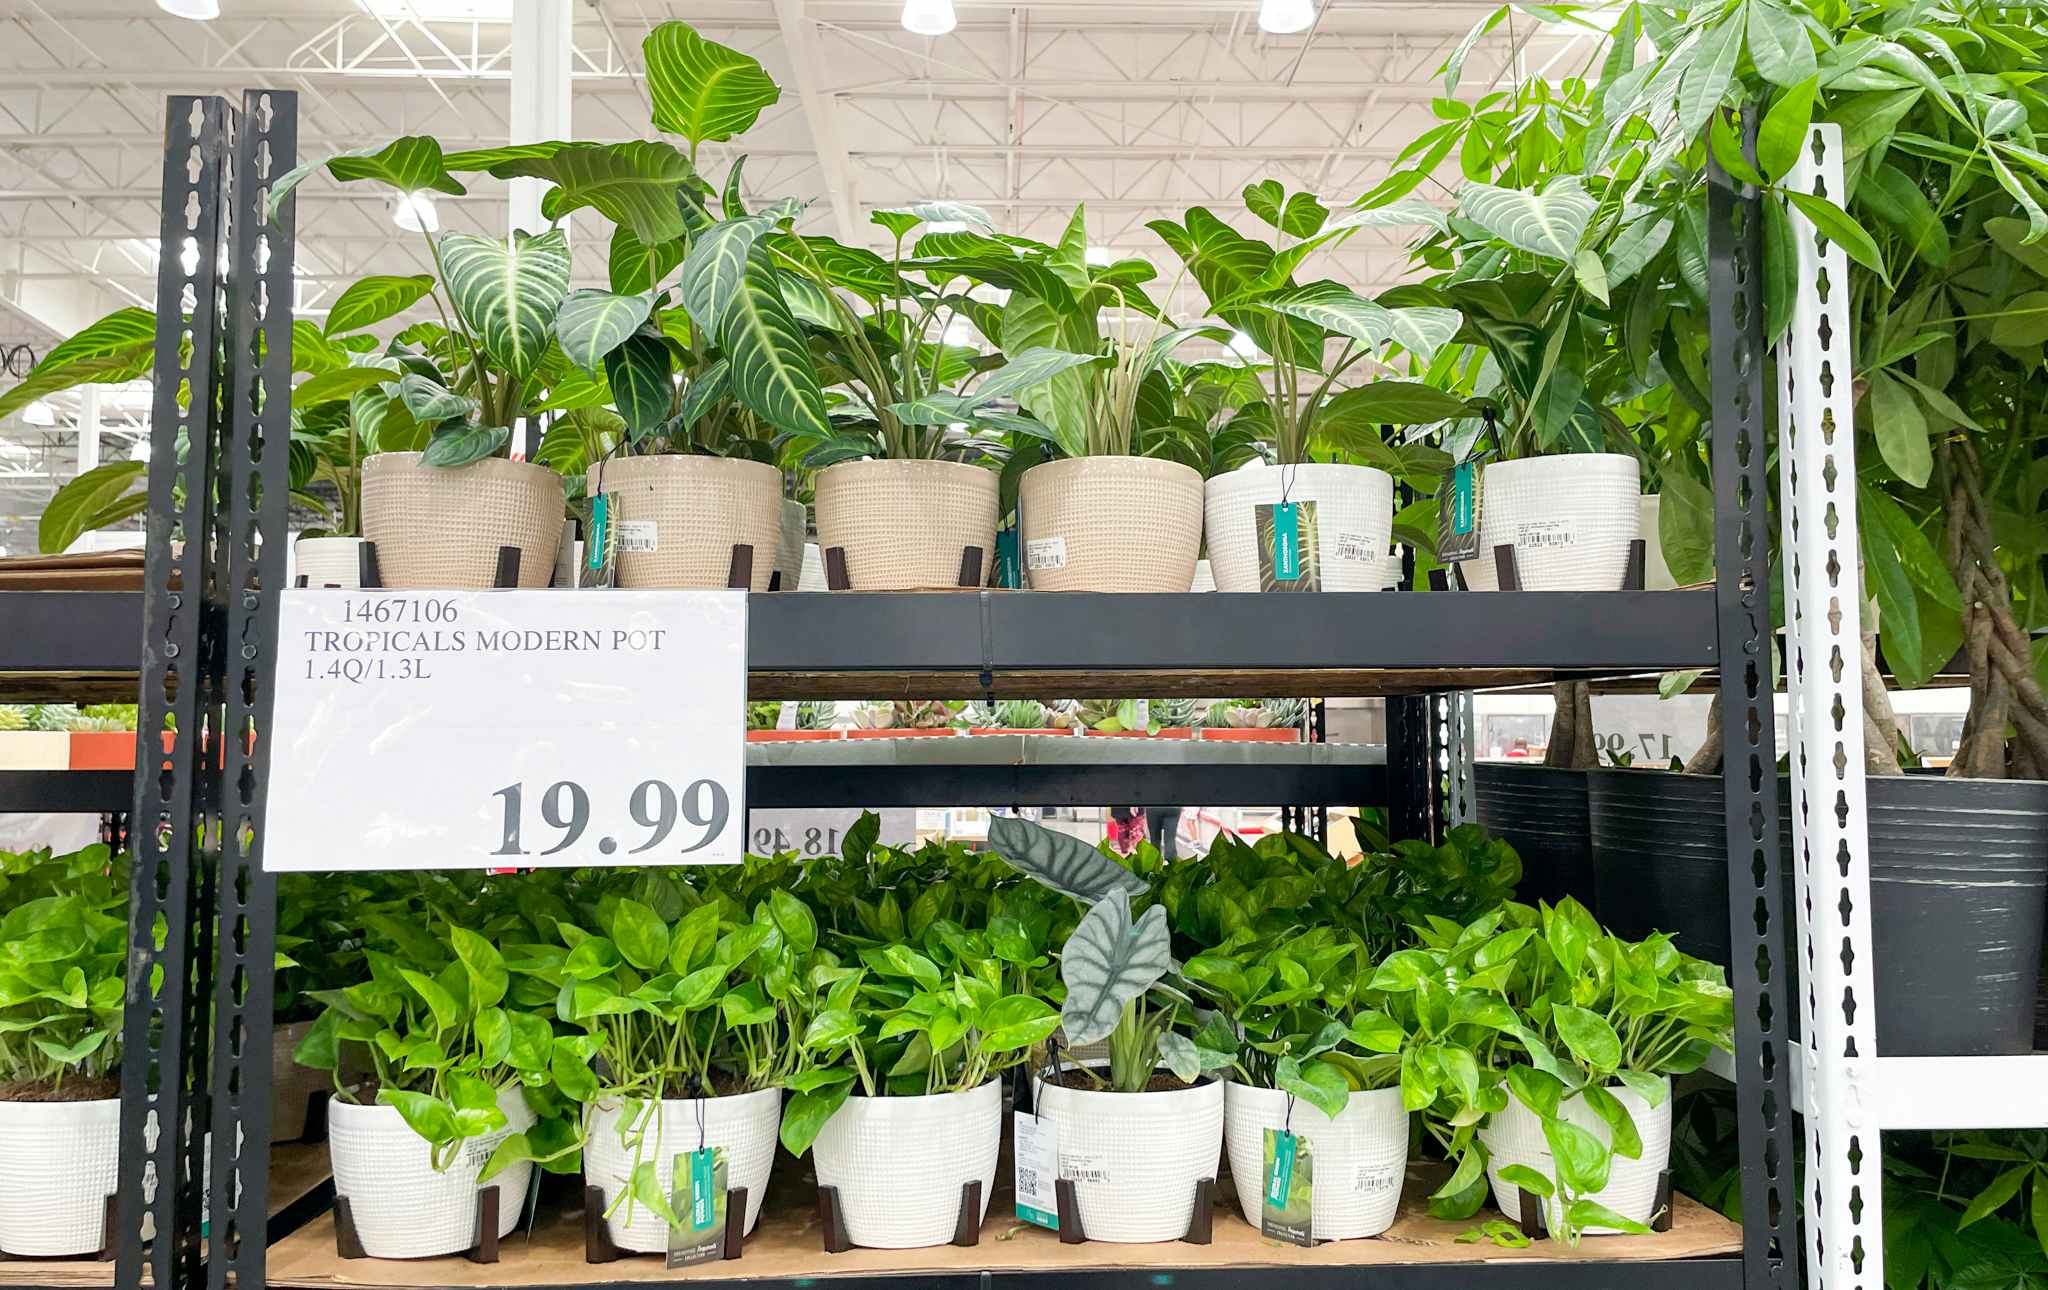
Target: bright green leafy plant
63, 970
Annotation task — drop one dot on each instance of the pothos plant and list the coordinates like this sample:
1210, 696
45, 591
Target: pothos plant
63, 971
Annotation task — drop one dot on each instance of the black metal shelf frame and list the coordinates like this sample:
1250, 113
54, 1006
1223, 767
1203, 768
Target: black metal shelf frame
198, 1030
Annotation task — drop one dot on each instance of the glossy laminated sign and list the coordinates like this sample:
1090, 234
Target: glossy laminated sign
507, 730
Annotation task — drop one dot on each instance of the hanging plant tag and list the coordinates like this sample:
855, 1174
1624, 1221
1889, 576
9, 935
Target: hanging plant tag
1457, 515
600, 546
1288, 1209
1009, 560
1289, 555
1038, 1170
699, 1201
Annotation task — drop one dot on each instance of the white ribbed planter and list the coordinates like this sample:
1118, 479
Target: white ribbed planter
1135, 1158
328, 562
58, 1165
1515, 1137
812, 576
620, 1135
439, 528
1111, 524
899, 1163
678, 517
292, 1086
1205, 577
904, 525
1570, 519
1354, 521
403, 1207
789, 557
1656, 573
1360, 1157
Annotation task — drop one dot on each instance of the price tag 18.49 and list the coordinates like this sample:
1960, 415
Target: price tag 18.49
507, 729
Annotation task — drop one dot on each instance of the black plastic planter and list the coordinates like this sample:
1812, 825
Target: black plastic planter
1541, 811
1959, 881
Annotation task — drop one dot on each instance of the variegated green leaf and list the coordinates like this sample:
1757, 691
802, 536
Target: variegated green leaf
944, 212
715, 268
591, 324
769, 362
371, 300
1026, 369
430, 402
642, 388
1549, 223
342, 383
115, 349
461, 445
1064, 863
701, 89
704, 392
1335, 307
634, 266
410, 165
508, 292
1109, 961
1402, 212
633, 184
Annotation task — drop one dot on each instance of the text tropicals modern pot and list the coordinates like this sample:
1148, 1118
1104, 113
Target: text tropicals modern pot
1515, 1137
1360, 1157
789, 557
328, 562
899, 1163
1354, 513
1135, 1159
678, 518
1111, 524
1570, 519
908, 525
403, 1207
620, 1135
58, 1165
442, 528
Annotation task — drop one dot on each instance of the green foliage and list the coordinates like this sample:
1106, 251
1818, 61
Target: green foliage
63, 966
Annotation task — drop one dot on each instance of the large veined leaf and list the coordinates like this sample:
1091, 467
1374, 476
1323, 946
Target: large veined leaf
635, 266
342, 383
462, 444
1336, 307
767, 358
1401, 403
1026, 369
938, 212
93, 500
1549, 223
1295, 214
371, 300
701, 89
117, 348
716, 266
632, 184
508, 292
1403, 212
642, 389
410, 165
1109, 961
591, 324
1065, 864
485, 158
701, 394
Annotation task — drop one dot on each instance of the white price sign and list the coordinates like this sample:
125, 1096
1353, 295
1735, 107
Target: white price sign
507, 729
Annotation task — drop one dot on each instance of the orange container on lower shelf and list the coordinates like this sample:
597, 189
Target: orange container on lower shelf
788, 736
1255, 735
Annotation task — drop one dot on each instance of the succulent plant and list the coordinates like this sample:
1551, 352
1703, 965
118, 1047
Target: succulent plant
13, 717
1175, 714
816, 715
922, 714
1256, 714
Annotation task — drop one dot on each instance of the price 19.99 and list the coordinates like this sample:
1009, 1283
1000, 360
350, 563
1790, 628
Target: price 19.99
654, 806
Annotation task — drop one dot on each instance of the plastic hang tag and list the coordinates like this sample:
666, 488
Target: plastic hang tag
1287, 1209
1289, 558
699, 1201
1038, 1170
601, 545
1009, 559
1458, 506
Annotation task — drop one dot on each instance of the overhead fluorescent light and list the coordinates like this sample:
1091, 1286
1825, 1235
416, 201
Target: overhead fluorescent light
197, 10
928, 17
39, 413
414, 212
1100, 256
1285, 17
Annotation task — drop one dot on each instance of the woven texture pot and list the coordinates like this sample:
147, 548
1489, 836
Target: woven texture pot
1570, 519
1111, 524
621, 1135
905, 524
1135, 1158
1354, 521
678, 518
328, 562
437, 528
899, 1163
292, 1086
58, 1163
403, 1207
1360, 1157
789, 557
1515, 1137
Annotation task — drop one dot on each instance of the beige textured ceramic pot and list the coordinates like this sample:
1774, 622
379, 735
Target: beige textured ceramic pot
679, 517
1111, 524
905, 525
441, 527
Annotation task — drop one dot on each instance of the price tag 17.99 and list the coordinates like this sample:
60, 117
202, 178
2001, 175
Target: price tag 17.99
507, 729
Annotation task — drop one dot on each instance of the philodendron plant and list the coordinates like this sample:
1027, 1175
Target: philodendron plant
1118, 969
63, 965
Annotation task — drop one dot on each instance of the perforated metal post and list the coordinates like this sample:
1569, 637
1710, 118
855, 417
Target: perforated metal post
1456, 724
1742, 569
254, 488
173, 827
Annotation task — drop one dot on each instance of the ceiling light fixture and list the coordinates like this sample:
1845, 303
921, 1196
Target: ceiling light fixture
414, 212
1100, 256
1285, 17
39, 413
928, 17
196, 10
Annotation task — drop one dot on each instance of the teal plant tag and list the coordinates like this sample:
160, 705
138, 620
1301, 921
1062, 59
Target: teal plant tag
1009, 560
699, 1201
1287, 1208
1289, 559
594, 538
1457, 516
600, 544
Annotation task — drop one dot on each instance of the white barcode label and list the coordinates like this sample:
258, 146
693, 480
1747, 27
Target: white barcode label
1547, 535
639, 536
1090, 1167
1045, 553
1355, 547
1038, 1169
1373, 1181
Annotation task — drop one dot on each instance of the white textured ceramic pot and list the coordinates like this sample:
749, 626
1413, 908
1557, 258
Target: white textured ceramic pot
403, 1207
1515, 1137
328, 562
621, 1135
1360, 1157
906, 525
789, 557
442, 528
812, 576
899, 1163
58, 1164
1205, 577
1656, 572
292, 1086
1111, 524
1570, 519
1354, 521
679, 517
1135, 1158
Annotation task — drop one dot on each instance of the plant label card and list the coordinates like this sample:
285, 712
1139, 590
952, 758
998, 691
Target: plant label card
1290, 558
699, 1202
1287, 1212
506, 730
600, 546
1038, 1169
1458, 501
1009, 559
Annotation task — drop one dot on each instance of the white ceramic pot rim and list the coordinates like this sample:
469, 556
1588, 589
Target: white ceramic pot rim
931, 1098
1202, 1085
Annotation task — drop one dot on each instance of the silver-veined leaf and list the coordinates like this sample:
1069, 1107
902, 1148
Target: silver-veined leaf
591, 324
461, 445
770, 365
1109, 961
1065, 864
430, 402
1549, 223
642, 389
1026, 369
508, 292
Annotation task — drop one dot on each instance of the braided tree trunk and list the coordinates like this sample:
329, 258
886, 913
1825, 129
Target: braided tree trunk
1571, 730
2003, 690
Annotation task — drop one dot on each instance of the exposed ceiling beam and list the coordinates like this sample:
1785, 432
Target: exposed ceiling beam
800, 40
